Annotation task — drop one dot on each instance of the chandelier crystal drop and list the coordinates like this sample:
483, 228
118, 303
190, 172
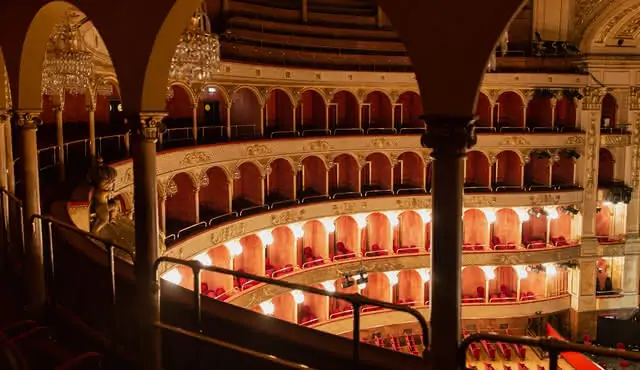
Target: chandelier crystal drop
68, 65
197, 55
103, 87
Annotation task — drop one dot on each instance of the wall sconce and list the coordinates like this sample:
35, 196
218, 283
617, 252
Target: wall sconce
234, 247
173, 276
204, 259
267, 307
265, 237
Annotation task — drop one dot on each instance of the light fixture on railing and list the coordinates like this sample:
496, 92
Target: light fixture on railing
298, 296
552, 212
490, 214
489, 272
173, 276
329, 224
267, 307
550, 268
392, 276
204, 259
425, 215
522, 214
425, 274
361, 220
197, 55
266, 237
297, 229
68, 65
521, 272
234, 247
393, 217
329, 286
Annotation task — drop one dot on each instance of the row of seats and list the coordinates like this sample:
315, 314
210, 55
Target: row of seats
492, 349
408, 343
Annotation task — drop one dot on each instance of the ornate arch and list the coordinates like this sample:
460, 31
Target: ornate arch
516, 91
194, 181
288, 159
323, 159
485, 153
366, 92
284, 90
259, 96
219, 88
331, 93
517, 152
193, 99
609, 20
319, 91
260, 166
224, 169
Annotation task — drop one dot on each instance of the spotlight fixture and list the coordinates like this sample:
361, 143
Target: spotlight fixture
347, 282
359, 278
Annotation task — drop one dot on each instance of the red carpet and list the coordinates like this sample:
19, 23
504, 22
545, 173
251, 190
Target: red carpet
575, 359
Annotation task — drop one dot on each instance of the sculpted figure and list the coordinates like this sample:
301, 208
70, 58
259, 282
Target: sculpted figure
102, 180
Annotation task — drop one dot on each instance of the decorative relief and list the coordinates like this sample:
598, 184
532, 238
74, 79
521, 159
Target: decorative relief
514, 141
575, 140
635, 156
634, 98
479, 201
318, 146
288, 217
544, 199
586, 11
257, 150
382, 143
226, 233
613, 140
346, 208
194, 158
592, 99
629, 30
414, 203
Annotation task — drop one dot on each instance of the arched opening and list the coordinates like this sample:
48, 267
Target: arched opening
181, 209
344, 175
312, 113
279, 118
507, 172
312, 178
179, 114
509, 112
609, 275
212, 114
378, 235
534, 230
104, 114
539, 113
411, 288
565, 113
246, 114
563, 172
215, 195
343, 113
248, 188
377, 174
537, 173
282, 253
215, 285
316, 244
561, 227
285, 308
347, 236
608, 120
251, 260
503, 288
315, 308
411, 234
408, 174
378, 288
408, 111
473, 285
483, 110
280, 183
606, 168
476, 233
604, 223
506, 230
477, 172
377, 107
340, 308
533, 285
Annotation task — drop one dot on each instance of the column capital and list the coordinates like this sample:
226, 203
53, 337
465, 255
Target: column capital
592, 98
151, 125
91, 107
453, 135
58, 107
5, 117
27, 119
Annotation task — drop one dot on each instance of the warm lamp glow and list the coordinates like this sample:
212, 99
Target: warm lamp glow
361, 220
393, 277
329, 224
297, 230
425, 215
522, 214
234, 247
490, 214
267, 307
393, 218
204, 259
521, 271
173, 276
425, 274
265, 237
298, 296
552, 213
551, 269
329, 286
489, 272
606, 203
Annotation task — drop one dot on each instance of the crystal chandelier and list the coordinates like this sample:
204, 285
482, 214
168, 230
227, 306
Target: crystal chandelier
68, 66
102, 87
197, 55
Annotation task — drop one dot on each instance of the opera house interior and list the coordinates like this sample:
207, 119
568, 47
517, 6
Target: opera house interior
320, 184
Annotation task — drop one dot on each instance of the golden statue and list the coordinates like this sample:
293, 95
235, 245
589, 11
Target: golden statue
103, 210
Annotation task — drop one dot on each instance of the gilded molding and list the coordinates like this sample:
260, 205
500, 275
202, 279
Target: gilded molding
257, 150
318, 146
194, 158
479, 201
383, 143
28, 120
414, 203
544, 199
287, 217
226, 233
614, 140
151, 125
345, 208
575, 140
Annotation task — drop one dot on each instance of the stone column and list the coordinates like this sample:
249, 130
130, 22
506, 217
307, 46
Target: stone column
34, 265
632, 172
60, 140
194, 109
449, 138
91, 108
5, 215
146, 234
583, 298
11, 177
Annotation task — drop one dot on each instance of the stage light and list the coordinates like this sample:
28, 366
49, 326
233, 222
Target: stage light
267, 307
173, 276
234, 247
204, 259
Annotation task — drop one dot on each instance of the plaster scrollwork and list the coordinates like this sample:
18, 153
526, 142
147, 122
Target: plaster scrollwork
575, 140
362, 160
330, 94
202, 179
526, 156
479, 201
383, 143
226, 233
629, 30
586, 11
514, 141
493, 157
346, 208
318, 146
296, 94
414, 203
634, 98
257, 150
394, 95
170, 187
528, 95
288, 217
235, 172
592, 98
493, 95
196, 157
544, 199
635, 155
614, 140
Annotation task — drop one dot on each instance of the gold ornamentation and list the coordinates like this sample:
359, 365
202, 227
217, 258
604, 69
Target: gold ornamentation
544, 199
634, 98
575, 140
318, 146
257, 150
227, 233
382, 143
287, 217
194, 158
346, 208
592, 98
479, 201
414, 203
614, 140
513, 141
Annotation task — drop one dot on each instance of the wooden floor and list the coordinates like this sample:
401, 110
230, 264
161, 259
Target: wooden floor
531, 362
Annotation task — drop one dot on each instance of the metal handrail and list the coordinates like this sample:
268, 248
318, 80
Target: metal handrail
551, 345
233, 347
356, 300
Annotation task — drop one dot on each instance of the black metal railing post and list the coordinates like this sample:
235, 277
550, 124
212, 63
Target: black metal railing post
553, 360
356, 333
